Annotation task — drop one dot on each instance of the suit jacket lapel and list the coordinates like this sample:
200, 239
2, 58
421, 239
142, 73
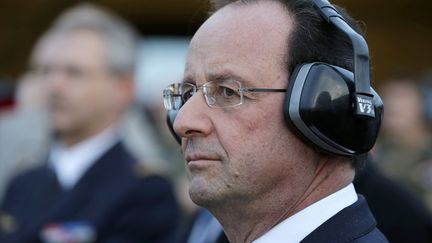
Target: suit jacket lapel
94, 183
350, 223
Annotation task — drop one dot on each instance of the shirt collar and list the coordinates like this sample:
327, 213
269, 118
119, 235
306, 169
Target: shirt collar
301, 224
71, 163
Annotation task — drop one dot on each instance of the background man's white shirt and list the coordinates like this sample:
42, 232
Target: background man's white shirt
70, 164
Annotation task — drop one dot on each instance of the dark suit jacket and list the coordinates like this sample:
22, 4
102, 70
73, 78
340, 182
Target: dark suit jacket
114, 199
354, 223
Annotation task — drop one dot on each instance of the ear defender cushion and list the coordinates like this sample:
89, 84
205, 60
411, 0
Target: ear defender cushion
319, 108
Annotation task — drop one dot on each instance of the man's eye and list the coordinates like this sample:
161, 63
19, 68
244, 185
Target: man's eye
227, 92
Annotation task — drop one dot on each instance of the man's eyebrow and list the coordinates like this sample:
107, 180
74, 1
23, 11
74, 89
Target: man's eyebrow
188, 79
225, 75
217, 77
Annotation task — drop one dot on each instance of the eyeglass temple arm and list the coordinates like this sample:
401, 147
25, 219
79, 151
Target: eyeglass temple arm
263, 90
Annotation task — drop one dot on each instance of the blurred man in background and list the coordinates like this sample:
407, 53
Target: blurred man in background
404, 148
91, 189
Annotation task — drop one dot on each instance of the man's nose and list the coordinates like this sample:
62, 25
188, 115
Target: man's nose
193, 117
56, 80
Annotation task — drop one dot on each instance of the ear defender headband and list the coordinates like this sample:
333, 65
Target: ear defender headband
331, 108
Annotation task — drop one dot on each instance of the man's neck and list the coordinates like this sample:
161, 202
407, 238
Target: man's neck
72, 138
71, 163
245, 222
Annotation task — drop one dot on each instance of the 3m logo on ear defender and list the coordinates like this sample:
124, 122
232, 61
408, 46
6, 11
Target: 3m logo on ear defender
364, 106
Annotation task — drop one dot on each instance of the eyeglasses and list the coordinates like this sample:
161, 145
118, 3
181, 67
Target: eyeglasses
228, 93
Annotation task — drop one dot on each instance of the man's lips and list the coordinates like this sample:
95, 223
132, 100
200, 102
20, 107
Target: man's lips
199, 157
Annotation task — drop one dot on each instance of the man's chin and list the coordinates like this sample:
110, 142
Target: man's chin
203, 192
201, 199
62, 129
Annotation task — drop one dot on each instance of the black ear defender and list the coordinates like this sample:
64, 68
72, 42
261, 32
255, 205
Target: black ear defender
331, 108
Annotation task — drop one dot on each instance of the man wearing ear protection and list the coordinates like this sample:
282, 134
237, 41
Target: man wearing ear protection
274, 110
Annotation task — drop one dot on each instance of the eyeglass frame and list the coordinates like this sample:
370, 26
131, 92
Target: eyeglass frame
241, 90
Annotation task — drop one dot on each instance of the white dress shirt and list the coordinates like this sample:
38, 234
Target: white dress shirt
297, 227
70, 164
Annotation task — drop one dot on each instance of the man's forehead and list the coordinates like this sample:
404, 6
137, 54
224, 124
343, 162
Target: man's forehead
242, 20
241, 37
80, 45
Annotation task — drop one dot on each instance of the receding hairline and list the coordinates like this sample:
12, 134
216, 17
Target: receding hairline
118, 35
217, 5
220, 5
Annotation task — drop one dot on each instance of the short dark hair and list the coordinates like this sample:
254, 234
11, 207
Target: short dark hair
312, 39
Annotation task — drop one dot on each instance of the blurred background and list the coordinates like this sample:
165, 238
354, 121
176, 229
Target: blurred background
399, 33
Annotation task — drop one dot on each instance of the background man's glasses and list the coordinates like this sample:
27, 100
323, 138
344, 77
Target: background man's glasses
228, 93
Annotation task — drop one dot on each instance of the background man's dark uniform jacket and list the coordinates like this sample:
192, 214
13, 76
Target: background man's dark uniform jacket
114, 198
